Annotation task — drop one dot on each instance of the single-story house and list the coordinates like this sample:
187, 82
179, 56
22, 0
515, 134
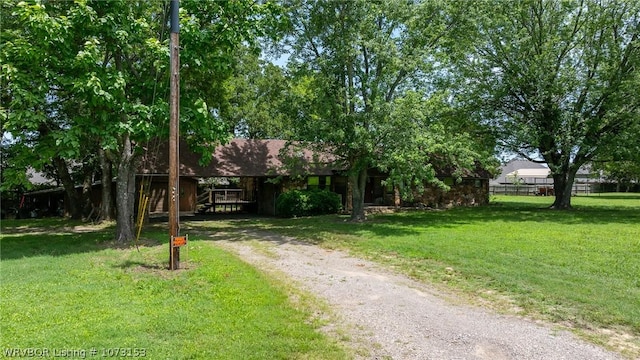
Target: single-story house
263, 169
260, 167
258, 164
520, 176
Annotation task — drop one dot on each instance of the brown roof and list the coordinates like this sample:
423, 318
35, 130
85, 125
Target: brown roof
240, 158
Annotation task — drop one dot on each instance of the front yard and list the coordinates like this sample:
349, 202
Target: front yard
578, 268
67, 291
66, 286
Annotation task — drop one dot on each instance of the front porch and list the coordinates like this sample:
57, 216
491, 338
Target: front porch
226, 201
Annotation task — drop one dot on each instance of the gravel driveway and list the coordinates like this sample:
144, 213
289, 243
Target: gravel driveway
394, 317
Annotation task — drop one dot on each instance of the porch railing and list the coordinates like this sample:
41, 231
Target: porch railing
213, 200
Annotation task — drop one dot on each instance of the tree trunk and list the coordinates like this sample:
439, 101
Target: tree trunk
75, 208
562, 185
358, 182
106, 205
87, 183
125, 194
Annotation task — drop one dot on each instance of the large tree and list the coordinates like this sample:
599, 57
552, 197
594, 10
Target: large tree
257, 93
96, 72
367, 87
558, 80
37, 110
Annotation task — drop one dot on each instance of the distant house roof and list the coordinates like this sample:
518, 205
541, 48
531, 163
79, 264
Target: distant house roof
539, 173
241, 158
528, 171
536, 173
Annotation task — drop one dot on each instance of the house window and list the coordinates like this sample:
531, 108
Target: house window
313, 182
318, 182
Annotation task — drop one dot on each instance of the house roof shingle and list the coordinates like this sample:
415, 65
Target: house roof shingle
240, 158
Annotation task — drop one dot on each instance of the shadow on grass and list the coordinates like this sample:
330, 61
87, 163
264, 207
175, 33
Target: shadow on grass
615, 196
56, 237
522, 211
315, 230
128, 264
19, 246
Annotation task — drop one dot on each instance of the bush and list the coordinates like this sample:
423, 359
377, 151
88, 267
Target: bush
307, 202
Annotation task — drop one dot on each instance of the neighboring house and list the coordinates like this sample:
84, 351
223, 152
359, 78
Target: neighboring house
523, 172
519, 176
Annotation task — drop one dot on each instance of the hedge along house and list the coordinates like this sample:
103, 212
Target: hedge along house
265, 169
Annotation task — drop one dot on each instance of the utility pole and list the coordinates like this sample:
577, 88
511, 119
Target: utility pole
174, 131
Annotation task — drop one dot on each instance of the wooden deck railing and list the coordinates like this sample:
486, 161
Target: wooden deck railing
224, 199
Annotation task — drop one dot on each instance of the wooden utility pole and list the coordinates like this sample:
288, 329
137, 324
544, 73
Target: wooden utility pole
174, 131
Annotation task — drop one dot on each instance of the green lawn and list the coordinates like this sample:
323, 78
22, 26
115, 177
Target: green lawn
68, 287
578, 267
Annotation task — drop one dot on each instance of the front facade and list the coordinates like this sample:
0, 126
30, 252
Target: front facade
258, 168
157, 187
256, 175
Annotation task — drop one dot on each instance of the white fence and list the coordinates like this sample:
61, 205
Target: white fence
547, 189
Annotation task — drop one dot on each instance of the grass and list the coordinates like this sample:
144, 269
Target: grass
580, 267
66, 286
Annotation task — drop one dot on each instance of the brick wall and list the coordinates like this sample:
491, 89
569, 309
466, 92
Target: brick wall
470, 192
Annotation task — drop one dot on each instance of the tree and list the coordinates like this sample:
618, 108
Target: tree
102, 78
624, 173
558, 80
620, 162
36, 95
257, 98
367, 87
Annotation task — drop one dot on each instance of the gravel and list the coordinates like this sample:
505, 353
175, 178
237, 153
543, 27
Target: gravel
393, 317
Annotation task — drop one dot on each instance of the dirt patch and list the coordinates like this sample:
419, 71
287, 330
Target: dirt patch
621, 340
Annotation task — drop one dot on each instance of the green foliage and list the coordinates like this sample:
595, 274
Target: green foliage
558, 80
258, 105
296, 203
624, 172
369, 86
83, 77
97, 59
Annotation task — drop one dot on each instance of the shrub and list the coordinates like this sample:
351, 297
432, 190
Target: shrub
307, 202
